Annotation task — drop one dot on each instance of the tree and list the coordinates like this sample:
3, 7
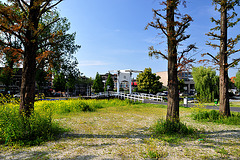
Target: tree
173, 26
109, 83
11, 59
237, 80
59, 82
60, 50
226, 47
24, 17
206, 83
181, 85
148, 81
41, 79
98, 84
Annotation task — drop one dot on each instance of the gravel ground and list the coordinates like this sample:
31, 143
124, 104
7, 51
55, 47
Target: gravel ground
125, 135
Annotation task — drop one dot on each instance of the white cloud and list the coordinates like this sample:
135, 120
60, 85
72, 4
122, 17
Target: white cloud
92, 63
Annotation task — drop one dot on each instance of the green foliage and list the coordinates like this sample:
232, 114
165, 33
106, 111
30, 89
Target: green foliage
62, 49
206, 83
237, 80
41, 79
60, 54
109, 83
59, 82
32, 130
155, 151
181, 85
149, 81
40, 127
98, 84
69, 106
5, 99
6, 76
171, 128
214, 116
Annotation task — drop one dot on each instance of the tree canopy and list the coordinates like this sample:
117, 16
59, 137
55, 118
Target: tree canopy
21, 19
237, 80
98, 85
228, 19
206, 83
173, 26
109, 83
148, 81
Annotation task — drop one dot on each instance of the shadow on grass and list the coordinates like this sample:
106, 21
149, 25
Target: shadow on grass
224, 137
139, 134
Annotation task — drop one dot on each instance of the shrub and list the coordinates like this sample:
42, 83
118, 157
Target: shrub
5, 99
171, 128
22, 130
215, 116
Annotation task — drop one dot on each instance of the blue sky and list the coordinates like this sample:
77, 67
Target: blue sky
113, 36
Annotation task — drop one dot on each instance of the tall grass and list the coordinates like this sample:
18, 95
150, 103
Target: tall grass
33, 130
171, 128
78, 105
215, 116
40, 126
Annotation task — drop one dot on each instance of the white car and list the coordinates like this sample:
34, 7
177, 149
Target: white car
16, 95
161, 94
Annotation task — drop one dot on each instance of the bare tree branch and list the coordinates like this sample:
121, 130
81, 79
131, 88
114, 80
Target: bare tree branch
21, 6
233, 63
24, 2
214, 58
40, 31
45, 8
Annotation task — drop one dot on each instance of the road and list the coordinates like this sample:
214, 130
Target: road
232, 109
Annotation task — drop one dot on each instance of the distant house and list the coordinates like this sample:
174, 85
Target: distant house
105, 77
124, 84
186, 76
15, 86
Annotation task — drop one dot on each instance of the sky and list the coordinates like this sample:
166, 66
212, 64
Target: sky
112, 33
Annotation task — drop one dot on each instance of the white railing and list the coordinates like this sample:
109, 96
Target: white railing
134, 97
139, 97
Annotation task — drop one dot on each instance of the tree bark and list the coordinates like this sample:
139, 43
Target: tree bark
224, 108
27, 94
173, 96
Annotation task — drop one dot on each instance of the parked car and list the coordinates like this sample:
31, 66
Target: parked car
192, 100
161, 94
16, 95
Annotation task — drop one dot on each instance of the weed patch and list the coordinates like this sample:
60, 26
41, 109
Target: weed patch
173, 132
155, 151
16, 129
171, 128
215, 116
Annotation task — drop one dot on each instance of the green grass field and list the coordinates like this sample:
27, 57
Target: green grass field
114, 129
232, 104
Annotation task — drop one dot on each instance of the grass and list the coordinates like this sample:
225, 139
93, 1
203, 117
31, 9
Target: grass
121, 130
232, 104
21, 130
214, 116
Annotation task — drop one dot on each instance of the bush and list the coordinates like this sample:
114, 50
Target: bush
171, 128
215, 116
33, 130
5, 99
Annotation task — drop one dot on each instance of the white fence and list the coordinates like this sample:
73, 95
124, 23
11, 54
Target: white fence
134, 97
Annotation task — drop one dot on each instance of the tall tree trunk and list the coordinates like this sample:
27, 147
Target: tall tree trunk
27, 93
173, 96
224, 108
